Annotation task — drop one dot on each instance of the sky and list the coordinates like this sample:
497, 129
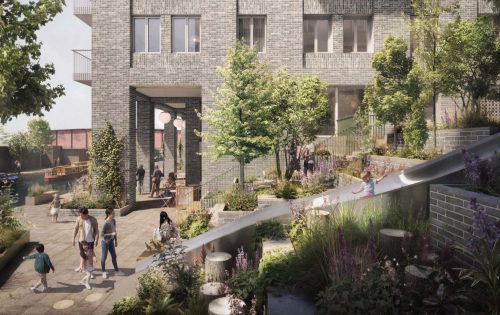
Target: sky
59, 37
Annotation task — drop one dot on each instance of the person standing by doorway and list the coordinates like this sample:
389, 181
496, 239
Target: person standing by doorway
109, 242
140, 179
157, 175
87, 229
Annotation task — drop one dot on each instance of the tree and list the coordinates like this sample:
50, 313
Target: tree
301, 107
240, 119
23, 80
106, 157
397, 94
469, 61
426, 28
39, 136
4, 136
19, 145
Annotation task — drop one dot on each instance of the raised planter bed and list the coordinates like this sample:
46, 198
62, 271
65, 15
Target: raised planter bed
346, 180
96, 212
11, 252
398, 164
46, 197
451, 216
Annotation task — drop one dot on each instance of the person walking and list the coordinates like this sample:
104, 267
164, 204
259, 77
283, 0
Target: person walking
88, 257
109, 242
55, 206
140, 179
43, 265
17, 164
157, 175
87, 229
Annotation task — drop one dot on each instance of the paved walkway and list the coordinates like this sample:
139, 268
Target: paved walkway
66, 295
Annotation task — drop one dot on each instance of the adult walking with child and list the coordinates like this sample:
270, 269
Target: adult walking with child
109, 242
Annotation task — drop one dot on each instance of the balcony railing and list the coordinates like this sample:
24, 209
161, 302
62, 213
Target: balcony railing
83, 10
82, 66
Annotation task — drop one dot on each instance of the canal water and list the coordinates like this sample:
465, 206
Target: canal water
23, 184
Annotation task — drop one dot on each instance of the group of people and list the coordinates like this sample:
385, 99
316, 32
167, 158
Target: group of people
168, 188
87, 231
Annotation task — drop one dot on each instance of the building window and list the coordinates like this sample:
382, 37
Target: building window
185, 34
316, 35
147, 34
357, 35
252, 30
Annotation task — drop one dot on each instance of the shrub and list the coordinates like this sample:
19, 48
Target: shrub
195, 224
152, 285
128, 306
240, 200
285, 189
84, 199
473, 119
10, 228
272, 230
7, 237
278, 270
483, 176
36, 190
244, 284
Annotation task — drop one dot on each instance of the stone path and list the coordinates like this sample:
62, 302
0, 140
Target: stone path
66, 295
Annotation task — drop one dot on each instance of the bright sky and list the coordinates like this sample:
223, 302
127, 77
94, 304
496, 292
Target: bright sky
59, 37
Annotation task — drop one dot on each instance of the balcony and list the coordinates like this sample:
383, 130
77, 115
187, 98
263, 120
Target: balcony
83, 10
82, 66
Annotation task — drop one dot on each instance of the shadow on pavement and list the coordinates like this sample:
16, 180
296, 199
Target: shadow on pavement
15, 262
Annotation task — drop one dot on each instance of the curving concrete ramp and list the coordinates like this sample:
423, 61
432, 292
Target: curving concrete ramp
415, 180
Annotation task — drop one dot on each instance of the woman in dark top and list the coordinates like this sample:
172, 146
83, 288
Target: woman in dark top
109, 242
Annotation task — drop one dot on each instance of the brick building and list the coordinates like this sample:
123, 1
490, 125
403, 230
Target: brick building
163, 54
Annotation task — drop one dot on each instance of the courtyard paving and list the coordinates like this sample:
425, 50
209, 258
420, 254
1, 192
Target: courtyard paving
66, 295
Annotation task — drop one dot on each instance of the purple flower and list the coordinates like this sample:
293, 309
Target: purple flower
484, 228
346, 261
242, 263
472, 168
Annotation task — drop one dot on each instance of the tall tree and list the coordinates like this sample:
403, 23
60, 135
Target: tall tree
469, 61
427, 28
39, 136
301, 107
24, 87
397, 95
240, 119
19, 145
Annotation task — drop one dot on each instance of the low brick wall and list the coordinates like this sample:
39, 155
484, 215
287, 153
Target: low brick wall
381, 163
451, 216
448, 140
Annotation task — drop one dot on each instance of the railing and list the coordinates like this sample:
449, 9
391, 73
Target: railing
78, 167
377, 130
82, 65
82, 7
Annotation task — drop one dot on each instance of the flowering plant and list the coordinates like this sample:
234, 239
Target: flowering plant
483, 176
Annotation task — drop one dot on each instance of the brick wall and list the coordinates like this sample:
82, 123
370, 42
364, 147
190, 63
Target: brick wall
451, 139
451, 216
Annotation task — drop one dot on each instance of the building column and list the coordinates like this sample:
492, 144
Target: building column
145, 139
336, 112
169, 146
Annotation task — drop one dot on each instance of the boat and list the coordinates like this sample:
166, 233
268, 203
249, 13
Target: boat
61, 173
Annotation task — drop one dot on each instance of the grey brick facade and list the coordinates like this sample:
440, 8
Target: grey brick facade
118, 72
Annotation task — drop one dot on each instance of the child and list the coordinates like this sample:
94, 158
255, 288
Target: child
42, 266
368, 185
88, 263
55, 206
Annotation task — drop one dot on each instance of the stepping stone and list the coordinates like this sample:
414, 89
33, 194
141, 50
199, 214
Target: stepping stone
220, 306
63, 304
94, 297
216, 265
211, 291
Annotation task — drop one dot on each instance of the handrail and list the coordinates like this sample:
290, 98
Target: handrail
82, 64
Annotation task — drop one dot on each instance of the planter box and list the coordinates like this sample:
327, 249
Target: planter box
221, 217
451, 216
12, 251
96, 212
379, 162
46, 197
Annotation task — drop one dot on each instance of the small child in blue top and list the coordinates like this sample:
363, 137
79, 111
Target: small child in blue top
43, 265
368, 185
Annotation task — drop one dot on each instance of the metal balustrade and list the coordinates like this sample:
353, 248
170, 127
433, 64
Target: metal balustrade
82, 66
83, 10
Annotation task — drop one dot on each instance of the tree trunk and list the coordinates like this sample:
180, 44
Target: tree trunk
40, 159
278, 164
294, 164
434, 127
216, 265
242, 173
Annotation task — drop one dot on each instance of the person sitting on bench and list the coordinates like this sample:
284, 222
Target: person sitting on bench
169, 188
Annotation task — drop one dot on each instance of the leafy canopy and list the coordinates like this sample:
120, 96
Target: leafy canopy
39, 135
106, 155
469, 61
18, 145
240, 119
24, 87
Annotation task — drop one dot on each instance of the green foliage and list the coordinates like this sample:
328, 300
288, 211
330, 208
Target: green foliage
152, 285
412, 221
106, 155
272, 230
240, 119
238, 199
244, 284
285, 189
301, 106
195, 224
406, 153
36, 190
85, 199
10, 228
473, 119
39, 135
19, 145
24, 87
469, 61
396, 94
128, 306
278, 270
166, 306
494, 3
